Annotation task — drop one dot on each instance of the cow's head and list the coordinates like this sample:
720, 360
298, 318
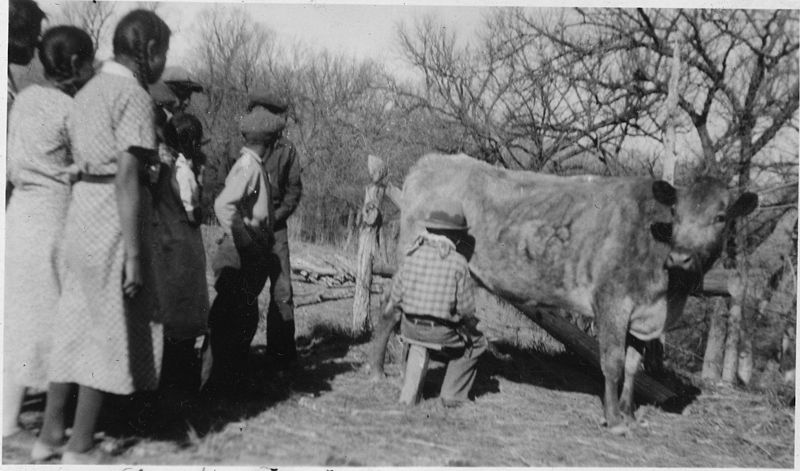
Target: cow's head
700, 215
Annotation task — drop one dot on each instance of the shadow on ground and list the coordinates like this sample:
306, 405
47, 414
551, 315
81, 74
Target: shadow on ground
566, 372
183, 418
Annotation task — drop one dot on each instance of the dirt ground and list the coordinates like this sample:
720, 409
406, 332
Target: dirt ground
534, 406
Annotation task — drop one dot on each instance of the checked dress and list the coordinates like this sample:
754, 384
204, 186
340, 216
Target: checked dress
103, 340
39, 167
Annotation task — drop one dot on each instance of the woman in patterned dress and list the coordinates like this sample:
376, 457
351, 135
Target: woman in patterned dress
24, 27
107, 341
39, 166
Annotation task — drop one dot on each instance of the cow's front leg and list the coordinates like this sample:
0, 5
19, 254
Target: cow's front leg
387, 320
633, 358
612, 322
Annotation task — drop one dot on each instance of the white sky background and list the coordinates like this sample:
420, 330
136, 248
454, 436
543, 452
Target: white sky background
362, 31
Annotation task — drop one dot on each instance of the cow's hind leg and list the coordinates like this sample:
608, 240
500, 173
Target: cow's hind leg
633, 358
387, 320
612, 323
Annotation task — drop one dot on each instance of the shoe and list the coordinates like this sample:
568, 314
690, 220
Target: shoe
92, 456
41, 451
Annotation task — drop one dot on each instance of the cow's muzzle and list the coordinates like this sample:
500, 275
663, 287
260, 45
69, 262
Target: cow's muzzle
681, 259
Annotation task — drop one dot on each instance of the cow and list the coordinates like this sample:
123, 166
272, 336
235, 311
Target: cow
626, 251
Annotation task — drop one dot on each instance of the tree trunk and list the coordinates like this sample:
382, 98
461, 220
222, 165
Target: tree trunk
367, 243
731, 360
715, 345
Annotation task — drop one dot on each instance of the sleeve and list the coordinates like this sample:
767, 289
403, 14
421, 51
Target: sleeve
294, 187
135, 122
187, 187
465, 294
226, 204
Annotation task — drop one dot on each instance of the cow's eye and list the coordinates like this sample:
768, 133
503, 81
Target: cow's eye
719, 218
672, 211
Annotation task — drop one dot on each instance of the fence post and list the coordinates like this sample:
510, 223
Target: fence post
368, 241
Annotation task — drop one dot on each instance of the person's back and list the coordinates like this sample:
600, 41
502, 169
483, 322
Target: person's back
434, 280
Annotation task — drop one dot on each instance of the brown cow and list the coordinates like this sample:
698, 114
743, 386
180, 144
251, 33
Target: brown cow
626, 251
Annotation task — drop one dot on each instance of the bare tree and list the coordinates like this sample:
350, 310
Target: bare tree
93, 17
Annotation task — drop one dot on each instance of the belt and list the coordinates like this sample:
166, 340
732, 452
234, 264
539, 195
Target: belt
430, 321
88, 178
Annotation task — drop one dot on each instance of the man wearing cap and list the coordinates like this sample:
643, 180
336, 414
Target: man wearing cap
244, 211
182, 84
434, 291
282, 164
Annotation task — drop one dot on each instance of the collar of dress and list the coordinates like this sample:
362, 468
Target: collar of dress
115, 68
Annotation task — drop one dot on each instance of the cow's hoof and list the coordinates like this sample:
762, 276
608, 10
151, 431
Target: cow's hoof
621, 428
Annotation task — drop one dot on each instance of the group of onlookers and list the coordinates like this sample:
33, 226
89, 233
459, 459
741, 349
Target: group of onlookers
105, 287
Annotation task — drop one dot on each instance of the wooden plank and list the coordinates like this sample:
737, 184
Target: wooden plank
414, 377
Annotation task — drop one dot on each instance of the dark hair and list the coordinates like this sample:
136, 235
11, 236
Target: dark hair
24, 18
132, 34
184, 133
57, 48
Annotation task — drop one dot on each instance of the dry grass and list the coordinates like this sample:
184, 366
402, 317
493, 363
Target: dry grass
534, 406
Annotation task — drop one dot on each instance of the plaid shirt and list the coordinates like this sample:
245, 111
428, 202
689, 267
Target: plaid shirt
434, 280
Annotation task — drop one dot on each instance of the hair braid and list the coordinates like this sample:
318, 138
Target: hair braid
142, 64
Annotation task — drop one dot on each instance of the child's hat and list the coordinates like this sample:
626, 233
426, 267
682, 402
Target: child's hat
259, 125
268, 99
446, 214
162, 95
178, 76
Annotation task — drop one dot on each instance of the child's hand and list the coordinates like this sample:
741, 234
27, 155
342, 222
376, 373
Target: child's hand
131, 277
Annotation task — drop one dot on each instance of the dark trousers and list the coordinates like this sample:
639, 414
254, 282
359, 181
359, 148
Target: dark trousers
280, 314
233, 318
462, 346
180, 366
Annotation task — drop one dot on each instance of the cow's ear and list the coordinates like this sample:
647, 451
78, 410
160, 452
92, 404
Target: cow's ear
664, 193
744, 205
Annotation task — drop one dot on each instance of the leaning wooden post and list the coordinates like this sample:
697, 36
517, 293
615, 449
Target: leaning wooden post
368, 241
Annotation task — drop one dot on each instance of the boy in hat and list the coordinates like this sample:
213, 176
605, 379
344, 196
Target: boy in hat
282, 164
434, 291
244, 211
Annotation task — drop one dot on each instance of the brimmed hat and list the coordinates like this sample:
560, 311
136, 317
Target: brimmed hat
178, 76
268, 99
446, 214
260, 125
162, 95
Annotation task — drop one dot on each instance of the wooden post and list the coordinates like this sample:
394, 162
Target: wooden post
654, 353
731, 359
712, 359
368, 241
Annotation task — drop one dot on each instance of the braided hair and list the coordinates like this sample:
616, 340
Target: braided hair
57, 49
24, 19
132, 35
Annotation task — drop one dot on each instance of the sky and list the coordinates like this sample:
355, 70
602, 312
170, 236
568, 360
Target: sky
362, 31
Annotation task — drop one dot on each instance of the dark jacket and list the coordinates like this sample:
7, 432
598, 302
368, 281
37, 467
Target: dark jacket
282, 164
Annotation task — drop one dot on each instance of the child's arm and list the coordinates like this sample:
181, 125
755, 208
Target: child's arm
226, 205
127, 191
